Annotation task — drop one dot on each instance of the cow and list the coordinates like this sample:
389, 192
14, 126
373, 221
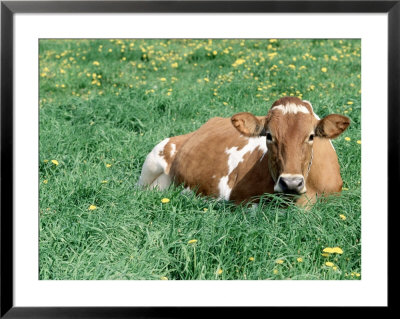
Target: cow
238, 159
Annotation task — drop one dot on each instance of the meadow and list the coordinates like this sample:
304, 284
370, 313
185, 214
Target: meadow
105, 103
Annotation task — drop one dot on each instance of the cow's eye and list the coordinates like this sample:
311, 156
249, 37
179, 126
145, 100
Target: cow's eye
269, 137
311, 138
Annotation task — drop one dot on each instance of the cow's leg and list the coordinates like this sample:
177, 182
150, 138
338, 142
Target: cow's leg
154, 169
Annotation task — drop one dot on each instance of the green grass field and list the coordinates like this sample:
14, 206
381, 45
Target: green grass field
104, 104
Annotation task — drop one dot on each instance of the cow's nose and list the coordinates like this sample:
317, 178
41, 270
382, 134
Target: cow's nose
291, 184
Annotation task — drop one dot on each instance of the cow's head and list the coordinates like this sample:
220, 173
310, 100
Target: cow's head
290, 128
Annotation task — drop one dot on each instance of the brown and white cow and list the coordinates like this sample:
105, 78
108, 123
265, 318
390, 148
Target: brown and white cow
287, 151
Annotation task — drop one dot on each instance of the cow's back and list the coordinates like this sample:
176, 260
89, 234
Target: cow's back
217, 160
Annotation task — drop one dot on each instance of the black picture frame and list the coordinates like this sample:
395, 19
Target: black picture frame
9, 8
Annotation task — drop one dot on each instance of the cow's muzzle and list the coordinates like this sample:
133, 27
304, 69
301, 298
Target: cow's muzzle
290, 184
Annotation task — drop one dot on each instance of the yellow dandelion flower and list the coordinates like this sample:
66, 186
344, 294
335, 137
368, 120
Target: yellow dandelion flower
337, 250
347, 138
45, 181
192, 241
292, 66
220, 271
92, 207
163, 79
328, 250
343, 217
45, 161
104, 182
205, 209
174, 65
329, 264
238, 62
251, 258
165, 200
334, 268
206, 79
273, 40
108, 165
279, 261
300, 260
325, 255
349, 102
345, 189
324, 69
276, 271
334, 58
359, 142
55, 162
164, 278
97, 63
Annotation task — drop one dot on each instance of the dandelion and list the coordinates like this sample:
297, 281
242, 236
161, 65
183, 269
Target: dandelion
174, 65
342, 217
192, 241
45, 181
104, 182
324, 69
300, 260
251, 258
329, 264
345, 189
238, 62
220, 271
163, 79
206, 79
276, 271
96, 63
164, 278
92, 207
337, 250
347, 138
292, 66
359, 142
349, 102
55, 162
165, 200
205, 209
279, 261
333, 250
108, 165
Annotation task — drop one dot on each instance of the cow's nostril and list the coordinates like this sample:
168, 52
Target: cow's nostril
301, 183
283, 184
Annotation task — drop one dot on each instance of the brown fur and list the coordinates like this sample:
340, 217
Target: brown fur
200, 160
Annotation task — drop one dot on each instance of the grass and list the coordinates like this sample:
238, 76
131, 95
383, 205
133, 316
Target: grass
104, 104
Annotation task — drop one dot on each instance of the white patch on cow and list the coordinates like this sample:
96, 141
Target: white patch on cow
291, 108
161, 182
154, 167
173, 149
187, 190
235, 157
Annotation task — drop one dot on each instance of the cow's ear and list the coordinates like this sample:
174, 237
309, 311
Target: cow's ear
332, 126
248, 125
